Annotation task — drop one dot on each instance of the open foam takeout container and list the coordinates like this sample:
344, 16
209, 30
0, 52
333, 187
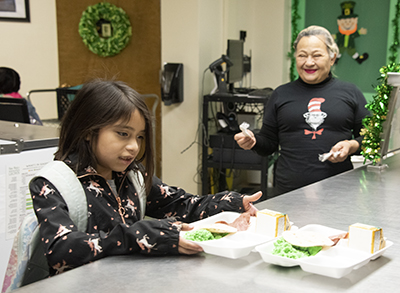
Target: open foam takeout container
233, 246
335, 262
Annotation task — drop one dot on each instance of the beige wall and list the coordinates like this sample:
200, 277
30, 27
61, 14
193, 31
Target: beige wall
194, 32
31, 49
191, 34
267, 23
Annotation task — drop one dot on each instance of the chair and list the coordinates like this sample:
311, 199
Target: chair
15, 110
65, 95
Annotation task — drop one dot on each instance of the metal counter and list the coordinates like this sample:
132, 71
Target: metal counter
359, 195
24, 137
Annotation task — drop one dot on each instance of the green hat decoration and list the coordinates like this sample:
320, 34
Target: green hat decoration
347, 10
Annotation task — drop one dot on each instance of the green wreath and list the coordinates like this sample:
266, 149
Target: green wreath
105, 29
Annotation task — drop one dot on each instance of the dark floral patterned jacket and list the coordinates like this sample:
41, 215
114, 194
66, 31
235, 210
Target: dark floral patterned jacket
118, 229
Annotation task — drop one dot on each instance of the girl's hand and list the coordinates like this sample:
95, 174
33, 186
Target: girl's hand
247, 203
245, 142
186, 246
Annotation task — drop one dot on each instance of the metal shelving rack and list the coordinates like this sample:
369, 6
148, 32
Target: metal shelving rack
207, 162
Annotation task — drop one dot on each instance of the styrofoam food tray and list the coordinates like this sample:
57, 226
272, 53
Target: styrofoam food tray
232, 246
334, 262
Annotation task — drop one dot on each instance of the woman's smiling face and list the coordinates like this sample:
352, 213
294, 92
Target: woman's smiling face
313, 62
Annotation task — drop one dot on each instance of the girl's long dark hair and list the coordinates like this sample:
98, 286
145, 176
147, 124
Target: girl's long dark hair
98, 104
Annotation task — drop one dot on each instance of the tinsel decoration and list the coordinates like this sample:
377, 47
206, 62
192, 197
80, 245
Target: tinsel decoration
393, 49
295, 32
378, 107
373, 125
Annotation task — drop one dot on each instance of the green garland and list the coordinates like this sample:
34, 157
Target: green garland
373, 127
394, 47
295, 32
120, 26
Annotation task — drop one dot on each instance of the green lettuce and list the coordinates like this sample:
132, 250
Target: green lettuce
203, 235
285, 249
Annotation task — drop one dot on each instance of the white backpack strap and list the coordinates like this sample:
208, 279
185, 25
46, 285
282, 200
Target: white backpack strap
66, 182
138, 181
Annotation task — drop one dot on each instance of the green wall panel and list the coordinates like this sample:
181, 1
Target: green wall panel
372, 15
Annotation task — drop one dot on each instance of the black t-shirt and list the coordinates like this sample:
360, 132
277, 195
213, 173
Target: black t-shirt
303, 121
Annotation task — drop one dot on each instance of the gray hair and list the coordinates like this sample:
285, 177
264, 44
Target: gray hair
317, 31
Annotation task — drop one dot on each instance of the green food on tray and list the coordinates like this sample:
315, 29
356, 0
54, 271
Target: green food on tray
285, 249
203, 235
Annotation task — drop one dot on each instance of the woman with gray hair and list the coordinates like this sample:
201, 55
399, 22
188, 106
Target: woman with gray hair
323, 34
313, 115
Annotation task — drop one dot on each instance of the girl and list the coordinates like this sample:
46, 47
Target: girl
105, 133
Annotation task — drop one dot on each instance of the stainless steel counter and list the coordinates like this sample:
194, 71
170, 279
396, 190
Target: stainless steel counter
24, 137
359, 195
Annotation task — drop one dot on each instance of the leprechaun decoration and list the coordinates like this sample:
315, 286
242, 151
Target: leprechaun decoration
348, 31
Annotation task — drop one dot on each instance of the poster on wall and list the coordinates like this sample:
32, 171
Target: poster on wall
360, 29
14, 10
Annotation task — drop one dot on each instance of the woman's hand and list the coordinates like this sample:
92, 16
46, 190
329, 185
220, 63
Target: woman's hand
346, 148
247, 203
186, 246
244, 141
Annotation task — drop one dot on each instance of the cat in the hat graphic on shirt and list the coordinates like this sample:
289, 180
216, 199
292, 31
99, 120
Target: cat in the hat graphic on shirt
315, 117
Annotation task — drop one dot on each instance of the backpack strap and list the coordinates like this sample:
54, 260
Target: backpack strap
137, 179
27, 262
70, 188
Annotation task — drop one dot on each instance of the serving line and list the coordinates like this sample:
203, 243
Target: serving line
360, 195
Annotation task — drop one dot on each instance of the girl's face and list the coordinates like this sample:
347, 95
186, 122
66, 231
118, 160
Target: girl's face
313, 62
119, 144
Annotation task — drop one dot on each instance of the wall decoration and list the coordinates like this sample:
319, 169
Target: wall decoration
348, 32
105, 29
14, 10
295, 31
393, 49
